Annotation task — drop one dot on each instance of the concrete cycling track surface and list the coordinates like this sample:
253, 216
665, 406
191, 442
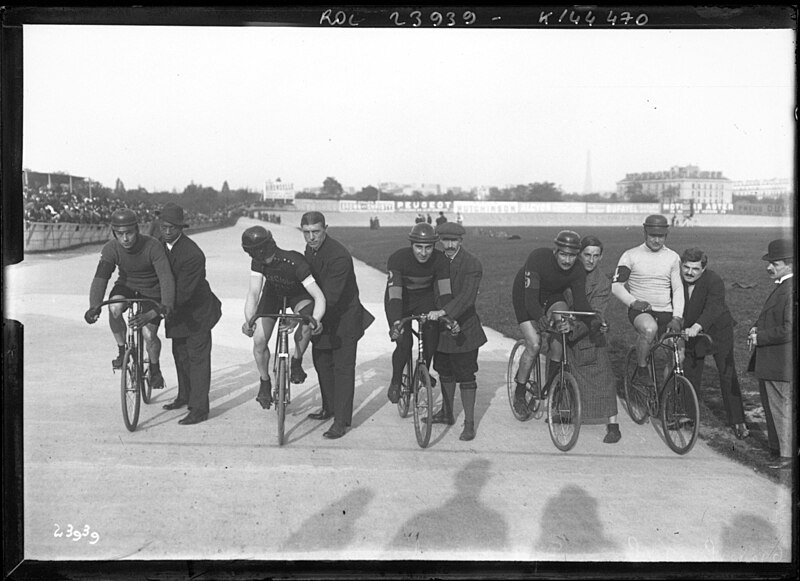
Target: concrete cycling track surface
224, 489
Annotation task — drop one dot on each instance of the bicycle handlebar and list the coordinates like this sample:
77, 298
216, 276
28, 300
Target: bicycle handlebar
449, 321
578, 313
682, 335
307, 319
160, 307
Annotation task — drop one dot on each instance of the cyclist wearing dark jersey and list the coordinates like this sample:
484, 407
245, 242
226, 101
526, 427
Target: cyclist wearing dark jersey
538, 290
144, 272
419, 283
277, 274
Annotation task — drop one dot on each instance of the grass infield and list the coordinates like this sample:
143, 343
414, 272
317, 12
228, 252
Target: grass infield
734, 253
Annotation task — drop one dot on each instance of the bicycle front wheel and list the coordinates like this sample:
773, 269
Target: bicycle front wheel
282, 378
130, 390
423, 405
406, 387
532, 397
680, 414
635, 393
564, 411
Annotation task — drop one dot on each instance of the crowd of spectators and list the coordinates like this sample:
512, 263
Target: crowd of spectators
53, 206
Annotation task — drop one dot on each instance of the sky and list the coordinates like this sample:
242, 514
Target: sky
163, 106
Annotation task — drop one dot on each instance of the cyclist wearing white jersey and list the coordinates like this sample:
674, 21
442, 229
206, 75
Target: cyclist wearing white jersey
648, 282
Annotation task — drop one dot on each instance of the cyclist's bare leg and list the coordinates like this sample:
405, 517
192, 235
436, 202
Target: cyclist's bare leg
646, 331
261, 338
533, 344
555, 349
116, 321
151, 342
302, 336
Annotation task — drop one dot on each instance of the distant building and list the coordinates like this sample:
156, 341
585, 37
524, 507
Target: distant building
772, 188
278, 192
34, 181
424, 189
681, 189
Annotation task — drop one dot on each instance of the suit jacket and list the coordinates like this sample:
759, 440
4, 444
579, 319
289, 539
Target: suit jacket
197, 309
707, 307
466, 272
345, 318
775, 324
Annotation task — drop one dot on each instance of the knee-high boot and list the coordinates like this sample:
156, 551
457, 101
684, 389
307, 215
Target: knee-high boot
468, 391
445, 415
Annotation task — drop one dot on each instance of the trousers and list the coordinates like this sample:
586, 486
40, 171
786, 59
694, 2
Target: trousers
192, 356
336, 370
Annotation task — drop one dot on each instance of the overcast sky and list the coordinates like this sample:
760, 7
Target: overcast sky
160, 107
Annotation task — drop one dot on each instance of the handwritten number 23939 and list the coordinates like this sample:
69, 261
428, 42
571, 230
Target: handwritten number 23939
76, 534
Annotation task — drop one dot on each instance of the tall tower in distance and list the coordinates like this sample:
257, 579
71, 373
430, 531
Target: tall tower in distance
587, 183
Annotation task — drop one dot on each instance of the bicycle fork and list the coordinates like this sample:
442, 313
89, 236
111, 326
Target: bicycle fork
282, 353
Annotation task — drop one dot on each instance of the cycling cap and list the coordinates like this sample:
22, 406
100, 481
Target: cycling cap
450, 230
423, 232
123, 217
258, 238
568, 239
656, 224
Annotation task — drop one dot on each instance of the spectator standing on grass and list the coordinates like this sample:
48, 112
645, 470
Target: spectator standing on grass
441, 219
772, 340
334, 349
538, 289
588, 346
707, 312
648, 281
456, 359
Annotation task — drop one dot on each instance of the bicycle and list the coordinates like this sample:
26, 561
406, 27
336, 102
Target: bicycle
281, 394
561, 393
417, 387
674, 401
135, 381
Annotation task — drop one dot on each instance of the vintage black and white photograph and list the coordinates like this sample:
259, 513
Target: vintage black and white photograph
401, 287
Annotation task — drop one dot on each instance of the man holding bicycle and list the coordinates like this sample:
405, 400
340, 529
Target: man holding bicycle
538, 290
418, 283
648, 281
144, 271
275, 275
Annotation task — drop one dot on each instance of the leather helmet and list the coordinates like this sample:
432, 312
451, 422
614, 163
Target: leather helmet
257, 238
656, 224
423, 233
568, 239
123, 217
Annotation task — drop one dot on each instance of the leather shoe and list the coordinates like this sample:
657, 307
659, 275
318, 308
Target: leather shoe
174, 405
334, 433
322, 414
192, 418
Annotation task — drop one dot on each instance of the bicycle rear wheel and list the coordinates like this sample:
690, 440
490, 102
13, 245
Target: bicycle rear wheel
533, 395
635, 393
130, 390
564, 411
147, 388
423, 405
406, 388
680, 414
282, 378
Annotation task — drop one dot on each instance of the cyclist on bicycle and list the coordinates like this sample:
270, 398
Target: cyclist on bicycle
648, 282
419, 282
538, 290
144, 272
277, 274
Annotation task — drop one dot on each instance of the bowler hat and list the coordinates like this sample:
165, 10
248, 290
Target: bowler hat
450, 230
779, 249
173, 214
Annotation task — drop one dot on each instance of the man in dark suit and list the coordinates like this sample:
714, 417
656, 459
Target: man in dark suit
706, 311
456, 358
334, 349
772, 338
197, 310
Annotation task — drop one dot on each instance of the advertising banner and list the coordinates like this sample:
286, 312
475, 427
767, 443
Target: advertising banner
366, 206
552, 207
467, 207
423, 205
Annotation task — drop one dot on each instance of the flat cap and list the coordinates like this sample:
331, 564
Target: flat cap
450, 230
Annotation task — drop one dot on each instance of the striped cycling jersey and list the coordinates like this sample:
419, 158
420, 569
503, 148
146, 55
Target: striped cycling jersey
411, 281
654, 277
